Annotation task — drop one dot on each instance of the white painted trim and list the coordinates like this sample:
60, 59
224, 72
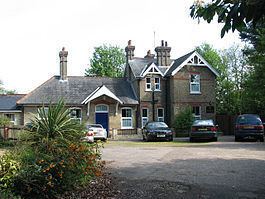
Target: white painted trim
144, 117
195, 92
188, 59
10, 111
103, 90
149, 68
157, 84
146, 89
131, 118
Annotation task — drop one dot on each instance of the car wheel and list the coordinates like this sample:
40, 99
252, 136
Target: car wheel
215, 139
171, 139
236, 139
261, 139
191, 139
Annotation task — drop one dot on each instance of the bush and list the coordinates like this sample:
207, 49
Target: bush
183, 121
52, 159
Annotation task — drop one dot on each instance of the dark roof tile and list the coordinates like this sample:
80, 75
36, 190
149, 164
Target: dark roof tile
77, 88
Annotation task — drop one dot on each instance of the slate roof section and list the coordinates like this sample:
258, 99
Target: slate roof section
178, 62
76, 89
139, 65
9, 102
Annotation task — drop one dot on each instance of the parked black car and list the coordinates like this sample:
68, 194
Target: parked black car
157, 131
203, 129
249, 126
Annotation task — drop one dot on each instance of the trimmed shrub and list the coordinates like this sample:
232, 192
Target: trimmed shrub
183, 121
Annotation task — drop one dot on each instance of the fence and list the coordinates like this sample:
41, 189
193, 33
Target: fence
227, 123
10, 133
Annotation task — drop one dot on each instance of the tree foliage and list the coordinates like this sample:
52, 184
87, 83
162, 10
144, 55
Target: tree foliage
5, 91
235, 14
255, 84
107, 61
232, 70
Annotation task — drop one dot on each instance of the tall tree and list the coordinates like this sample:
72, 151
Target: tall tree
255, 84
107, 61
235, 14
229, 64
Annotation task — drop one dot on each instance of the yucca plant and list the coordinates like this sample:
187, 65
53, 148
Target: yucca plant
56, 122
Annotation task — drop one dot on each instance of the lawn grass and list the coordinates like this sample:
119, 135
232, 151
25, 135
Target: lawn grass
141, 143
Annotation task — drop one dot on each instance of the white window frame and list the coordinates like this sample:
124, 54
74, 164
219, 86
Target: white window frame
148, 84
127, 118
157, 84
145, 118
76, 118
200, 112
104, 111
195, 83
160, 119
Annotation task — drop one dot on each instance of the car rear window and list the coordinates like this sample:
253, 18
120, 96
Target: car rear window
94, 126
249, 119
203, 122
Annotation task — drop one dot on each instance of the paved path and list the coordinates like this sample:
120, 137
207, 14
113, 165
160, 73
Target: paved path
224, 169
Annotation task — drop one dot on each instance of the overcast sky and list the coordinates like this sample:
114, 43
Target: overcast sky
34, 31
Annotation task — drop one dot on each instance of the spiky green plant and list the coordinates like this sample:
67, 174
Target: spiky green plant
56, 122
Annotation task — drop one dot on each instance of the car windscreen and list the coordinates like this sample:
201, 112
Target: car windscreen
203, 123
249, 119
155, 125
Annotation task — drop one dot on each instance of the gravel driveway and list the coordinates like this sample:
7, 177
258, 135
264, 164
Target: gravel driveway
223, 169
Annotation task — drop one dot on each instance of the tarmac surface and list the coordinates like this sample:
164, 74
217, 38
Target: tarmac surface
223, 169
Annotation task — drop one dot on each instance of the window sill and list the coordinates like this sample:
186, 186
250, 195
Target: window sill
195, 93
127, 128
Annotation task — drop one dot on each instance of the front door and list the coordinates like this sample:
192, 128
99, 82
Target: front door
103, 119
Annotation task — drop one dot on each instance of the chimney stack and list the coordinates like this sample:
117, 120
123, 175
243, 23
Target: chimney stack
63, 64
163, 54
149, 54
129, 51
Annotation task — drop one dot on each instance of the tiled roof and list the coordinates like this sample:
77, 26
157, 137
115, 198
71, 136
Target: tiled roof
139, 65
178, 62
8, 102
78, 88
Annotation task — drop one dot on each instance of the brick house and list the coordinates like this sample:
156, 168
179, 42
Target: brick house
153, 88
9, 108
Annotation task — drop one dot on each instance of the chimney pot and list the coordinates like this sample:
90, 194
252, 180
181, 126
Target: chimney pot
162, 42
166, 43
129, 42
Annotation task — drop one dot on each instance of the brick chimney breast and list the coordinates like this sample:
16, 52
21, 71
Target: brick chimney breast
63, 64
163, 54
129, 50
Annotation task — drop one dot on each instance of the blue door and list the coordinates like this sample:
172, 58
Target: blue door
103, 119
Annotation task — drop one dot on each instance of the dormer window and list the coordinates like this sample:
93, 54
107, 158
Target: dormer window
148, 84
195, 87
157, 84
